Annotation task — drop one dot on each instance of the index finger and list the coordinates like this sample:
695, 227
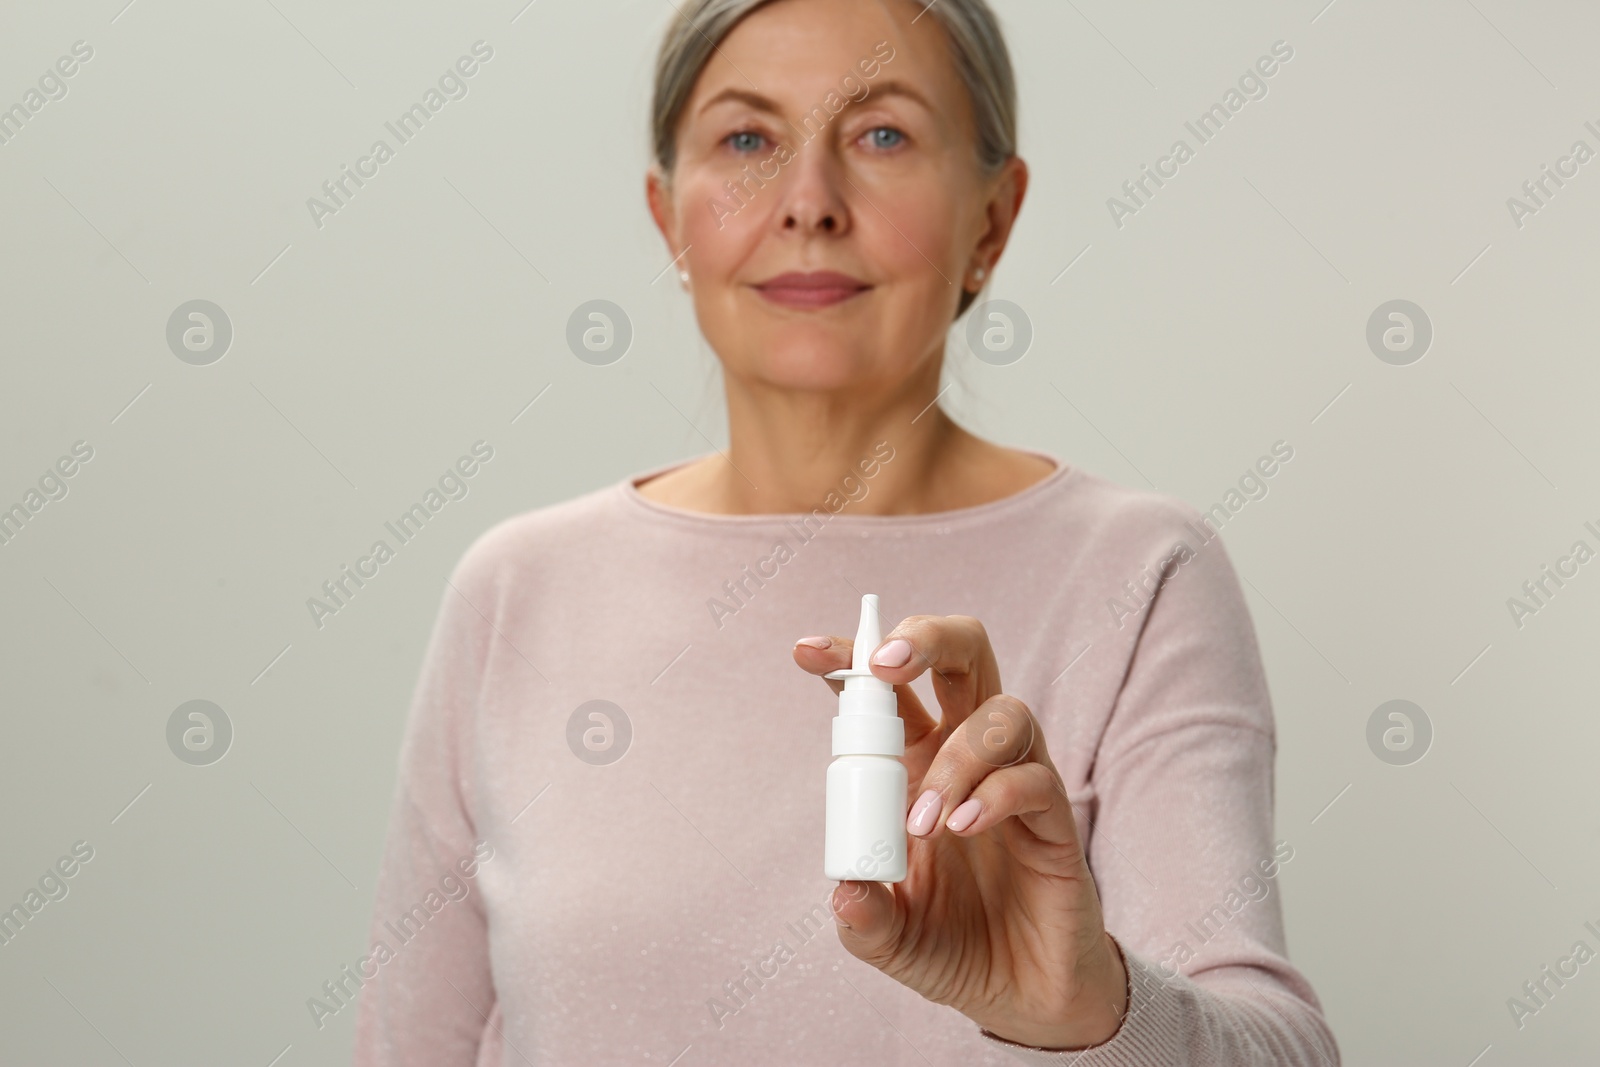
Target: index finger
836, 655
955, 648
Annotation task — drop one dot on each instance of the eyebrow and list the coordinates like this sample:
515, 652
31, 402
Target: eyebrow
763, 103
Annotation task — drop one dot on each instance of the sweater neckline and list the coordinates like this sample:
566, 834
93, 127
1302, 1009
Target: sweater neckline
637, 502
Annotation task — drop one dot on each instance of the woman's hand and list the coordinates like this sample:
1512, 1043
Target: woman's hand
998, 916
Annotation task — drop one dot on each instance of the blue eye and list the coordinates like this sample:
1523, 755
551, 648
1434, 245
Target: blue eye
744, 141
879, 140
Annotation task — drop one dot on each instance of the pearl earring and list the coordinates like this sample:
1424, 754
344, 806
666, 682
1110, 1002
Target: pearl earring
979, 273
683, 274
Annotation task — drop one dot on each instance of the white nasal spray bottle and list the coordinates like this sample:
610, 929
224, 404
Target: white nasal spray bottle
865, 837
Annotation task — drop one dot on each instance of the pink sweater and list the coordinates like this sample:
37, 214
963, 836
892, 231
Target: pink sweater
542, 901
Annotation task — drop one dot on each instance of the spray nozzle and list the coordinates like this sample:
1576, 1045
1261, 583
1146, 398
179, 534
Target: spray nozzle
868, 722
869, 633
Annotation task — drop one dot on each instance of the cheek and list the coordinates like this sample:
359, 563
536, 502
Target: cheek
913, 230
721, 230
912, 238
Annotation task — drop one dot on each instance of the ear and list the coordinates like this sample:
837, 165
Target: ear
658, 193
1006, 191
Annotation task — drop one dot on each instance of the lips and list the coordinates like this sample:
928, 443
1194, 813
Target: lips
811, 289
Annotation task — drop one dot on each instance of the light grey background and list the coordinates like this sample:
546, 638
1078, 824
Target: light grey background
367, 355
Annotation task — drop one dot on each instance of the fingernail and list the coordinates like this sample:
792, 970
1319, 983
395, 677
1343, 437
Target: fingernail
854, 890
815, 642
893, 653
923, 813
836, 916
965, 814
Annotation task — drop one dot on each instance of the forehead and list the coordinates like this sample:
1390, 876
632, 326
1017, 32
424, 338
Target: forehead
796, 51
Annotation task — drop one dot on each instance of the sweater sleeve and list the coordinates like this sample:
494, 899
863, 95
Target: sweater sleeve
431, 999
1181, 843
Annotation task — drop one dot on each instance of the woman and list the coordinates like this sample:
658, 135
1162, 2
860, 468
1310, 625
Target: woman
606, 840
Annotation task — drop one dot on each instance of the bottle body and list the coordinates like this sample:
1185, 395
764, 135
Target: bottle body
865, 830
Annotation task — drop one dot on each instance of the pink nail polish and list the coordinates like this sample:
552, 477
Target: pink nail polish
894, 653
815, 642
840, 919
965, 814
924, 813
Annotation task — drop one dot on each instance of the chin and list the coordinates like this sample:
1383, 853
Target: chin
801, 362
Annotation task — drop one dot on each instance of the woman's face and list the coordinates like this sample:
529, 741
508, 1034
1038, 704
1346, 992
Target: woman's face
828, 192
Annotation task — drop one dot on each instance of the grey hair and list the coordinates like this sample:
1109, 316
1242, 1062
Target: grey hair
971, 28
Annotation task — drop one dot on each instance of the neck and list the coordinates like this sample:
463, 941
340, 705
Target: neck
790, 449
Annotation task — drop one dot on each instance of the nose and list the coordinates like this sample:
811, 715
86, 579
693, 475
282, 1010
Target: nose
813, 200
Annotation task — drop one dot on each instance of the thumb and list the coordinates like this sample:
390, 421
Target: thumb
868, 918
